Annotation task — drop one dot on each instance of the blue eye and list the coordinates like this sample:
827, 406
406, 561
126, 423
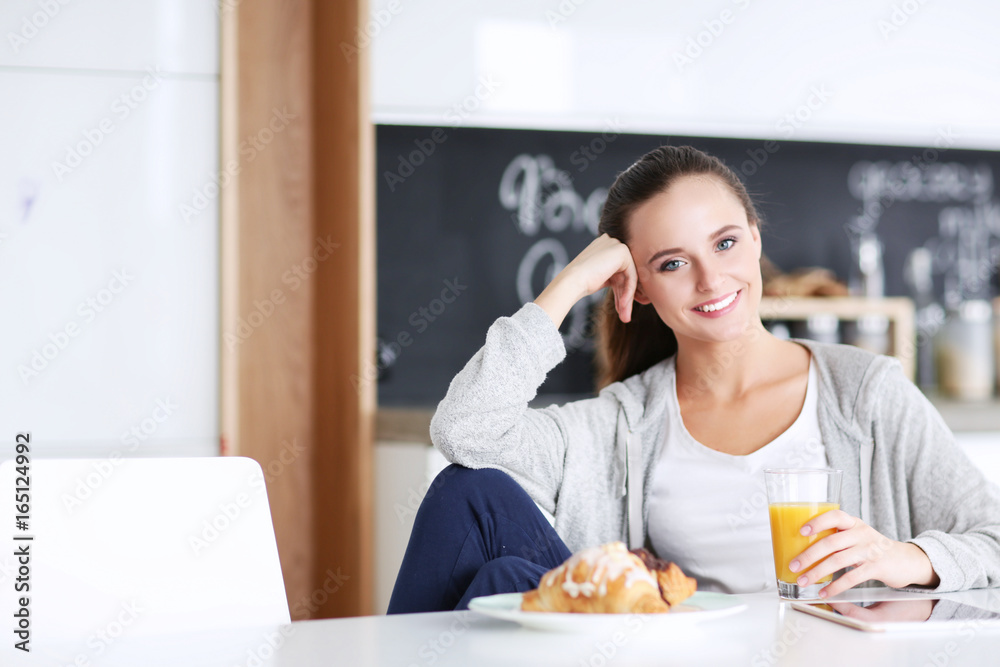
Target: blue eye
672, 265
728, 243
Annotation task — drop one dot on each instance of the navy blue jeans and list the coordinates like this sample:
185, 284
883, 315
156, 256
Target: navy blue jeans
476, 533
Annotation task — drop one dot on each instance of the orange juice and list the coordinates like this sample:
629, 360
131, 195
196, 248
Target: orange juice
786, 521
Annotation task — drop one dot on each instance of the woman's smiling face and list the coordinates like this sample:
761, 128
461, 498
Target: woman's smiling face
698, 259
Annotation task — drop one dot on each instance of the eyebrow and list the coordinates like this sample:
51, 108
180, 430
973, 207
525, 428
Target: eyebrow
673, 251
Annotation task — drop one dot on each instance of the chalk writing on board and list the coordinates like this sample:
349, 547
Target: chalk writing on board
966, 248
542, 199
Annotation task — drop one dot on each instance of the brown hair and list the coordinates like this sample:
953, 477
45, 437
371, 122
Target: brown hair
626, 349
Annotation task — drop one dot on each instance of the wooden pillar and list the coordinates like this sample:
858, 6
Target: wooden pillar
298, 309
345, 394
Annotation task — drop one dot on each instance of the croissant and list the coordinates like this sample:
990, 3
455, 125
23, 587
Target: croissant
607, 580
675, 586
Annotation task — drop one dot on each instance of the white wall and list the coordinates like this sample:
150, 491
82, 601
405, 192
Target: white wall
984, 450
888, 71
109, 293
403, 473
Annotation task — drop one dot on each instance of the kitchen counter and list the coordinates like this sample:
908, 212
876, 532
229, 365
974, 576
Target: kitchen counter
962, 416
412, 425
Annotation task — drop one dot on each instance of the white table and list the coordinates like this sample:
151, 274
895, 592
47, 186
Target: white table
767, 633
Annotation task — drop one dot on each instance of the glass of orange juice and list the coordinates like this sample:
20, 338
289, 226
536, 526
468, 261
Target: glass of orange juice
794, 496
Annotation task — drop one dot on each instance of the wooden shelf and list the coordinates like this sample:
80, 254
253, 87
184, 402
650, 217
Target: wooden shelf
899, 311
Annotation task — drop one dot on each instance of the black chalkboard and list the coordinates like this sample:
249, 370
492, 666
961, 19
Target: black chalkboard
471, 221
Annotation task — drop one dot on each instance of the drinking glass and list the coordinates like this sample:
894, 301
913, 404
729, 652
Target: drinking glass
795, 496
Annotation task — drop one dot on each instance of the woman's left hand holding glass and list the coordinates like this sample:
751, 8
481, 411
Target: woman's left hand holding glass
859, 546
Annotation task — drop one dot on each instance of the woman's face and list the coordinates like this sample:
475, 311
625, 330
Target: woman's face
698, 259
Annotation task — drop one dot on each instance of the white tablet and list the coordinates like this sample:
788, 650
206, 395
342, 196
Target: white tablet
902, 615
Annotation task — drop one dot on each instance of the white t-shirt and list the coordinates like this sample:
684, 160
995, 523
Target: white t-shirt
708, 510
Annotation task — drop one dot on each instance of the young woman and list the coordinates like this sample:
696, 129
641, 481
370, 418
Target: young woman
697, 400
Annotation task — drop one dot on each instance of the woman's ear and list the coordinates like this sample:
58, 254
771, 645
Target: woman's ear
755, 234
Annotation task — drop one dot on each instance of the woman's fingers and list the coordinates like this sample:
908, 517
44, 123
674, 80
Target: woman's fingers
623, 285
832, 520
833, 563
845, 582
623, 304
821, 549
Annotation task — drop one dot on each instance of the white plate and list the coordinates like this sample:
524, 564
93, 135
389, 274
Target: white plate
701, 606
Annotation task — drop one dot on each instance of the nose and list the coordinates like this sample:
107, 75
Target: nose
710, 277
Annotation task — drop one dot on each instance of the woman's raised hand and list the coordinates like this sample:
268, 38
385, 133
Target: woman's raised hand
606, 262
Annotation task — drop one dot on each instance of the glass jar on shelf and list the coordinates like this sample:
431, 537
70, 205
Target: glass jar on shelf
821, 327
965, 352
871, 332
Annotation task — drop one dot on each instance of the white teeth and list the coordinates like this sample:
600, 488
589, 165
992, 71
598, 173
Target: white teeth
712, 307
